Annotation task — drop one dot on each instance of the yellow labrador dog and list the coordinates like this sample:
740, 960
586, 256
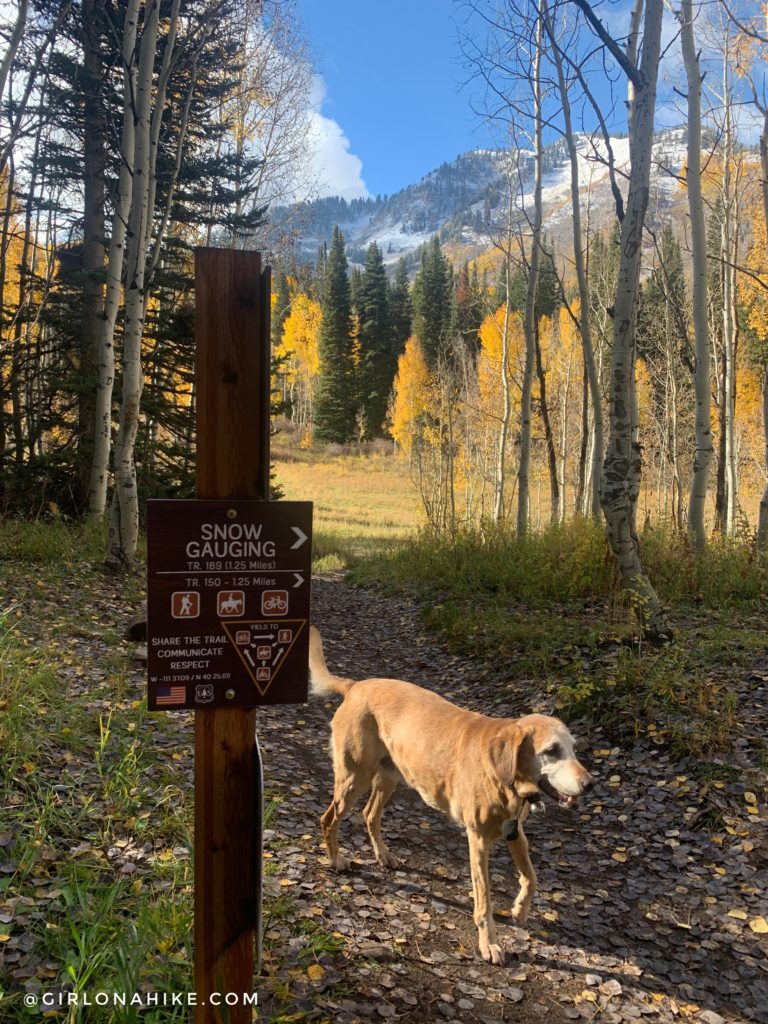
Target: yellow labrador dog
482, 772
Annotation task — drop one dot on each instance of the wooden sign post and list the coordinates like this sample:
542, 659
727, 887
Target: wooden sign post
232, 397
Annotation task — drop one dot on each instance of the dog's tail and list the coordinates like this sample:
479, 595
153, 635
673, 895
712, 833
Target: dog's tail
321, 680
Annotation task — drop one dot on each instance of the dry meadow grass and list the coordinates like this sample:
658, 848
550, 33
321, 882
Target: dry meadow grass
364, 501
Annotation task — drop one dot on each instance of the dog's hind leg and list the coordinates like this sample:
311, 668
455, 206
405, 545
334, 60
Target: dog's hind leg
345, 795
518, 849
383, 788
479, 851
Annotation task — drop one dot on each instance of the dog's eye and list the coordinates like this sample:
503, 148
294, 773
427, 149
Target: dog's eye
554, 751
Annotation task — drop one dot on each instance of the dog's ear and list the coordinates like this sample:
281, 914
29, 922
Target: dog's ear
504, 753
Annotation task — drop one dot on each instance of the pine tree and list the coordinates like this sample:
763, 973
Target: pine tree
335, 405
498, 294
355, 284
432, 303
378, 360
400, 308
320, 266
548, 297
467, 315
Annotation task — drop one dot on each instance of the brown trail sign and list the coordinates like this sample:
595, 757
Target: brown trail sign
228, 603
228, 598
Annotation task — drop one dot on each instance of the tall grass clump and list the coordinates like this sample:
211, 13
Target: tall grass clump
565, 563
549, 609
727, 571
27, 685
52, 541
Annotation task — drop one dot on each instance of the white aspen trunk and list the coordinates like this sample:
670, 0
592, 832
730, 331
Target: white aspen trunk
124, 515
451, 459
762, 520
596, 454
619, 474
102, 442
635, 474
529, 326
633, 36
14, 42
506, 415
170, 55
564, 439
703, 447
729, 313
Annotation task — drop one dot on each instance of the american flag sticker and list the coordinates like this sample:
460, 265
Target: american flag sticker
170, 696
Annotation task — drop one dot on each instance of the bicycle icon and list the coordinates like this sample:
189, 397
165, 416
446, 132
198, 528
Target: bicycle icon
274, 602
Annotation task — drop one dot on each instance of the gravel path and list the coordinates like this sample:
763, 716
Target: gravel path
641, 912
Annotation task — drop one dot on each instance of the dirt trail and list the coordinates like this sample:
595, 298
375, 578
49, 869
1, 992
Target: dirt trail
632, 918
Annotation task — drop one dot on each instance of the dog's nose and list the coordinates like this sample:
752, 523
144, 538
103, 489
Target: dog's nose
587, 784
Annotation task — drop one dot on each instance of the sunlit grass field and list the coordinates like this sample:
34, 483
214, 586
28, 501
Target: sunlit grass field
364, 502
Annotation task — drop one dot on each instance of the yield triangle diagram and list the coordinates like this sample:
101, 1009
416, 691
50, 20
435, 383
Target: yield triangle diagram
263, 646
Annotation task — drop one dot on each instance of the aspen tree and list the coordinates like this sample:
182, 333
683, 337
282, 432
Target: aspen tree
529, 320
703, 423
585, 330
620, 478
105, 358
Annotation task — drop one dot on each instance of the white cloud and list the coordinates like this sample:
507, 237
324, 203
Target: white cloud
337, 171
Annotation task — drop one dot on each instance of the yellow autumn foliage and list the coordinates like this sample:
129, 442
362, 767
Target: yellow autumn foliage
300, 336
413, 393
489, 379
301, 354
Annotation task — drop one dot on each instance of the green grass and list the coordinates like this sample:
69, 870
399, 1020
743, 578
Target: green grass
84, 791
549, 609
89, 928
79, 771
52, 542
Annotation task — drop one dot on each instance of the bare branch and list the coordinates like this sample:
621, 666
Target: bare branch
625, 63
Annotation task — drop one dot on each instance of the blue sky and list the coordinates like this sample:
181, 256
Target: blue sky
391, 101
390, 78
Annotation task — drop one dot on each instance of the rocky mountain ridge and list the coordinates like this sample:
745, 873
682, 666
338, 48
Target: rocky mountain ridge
466, 201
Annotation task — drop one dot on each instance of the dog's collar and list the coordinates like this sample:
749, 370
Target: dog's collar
511, 829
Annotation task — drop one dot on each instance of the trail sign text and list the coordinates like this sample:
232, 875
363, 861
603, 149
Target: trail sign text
227, 603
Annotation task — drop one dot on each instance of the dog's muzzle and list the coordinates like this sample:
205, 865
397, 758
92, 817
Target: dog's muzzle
564, 799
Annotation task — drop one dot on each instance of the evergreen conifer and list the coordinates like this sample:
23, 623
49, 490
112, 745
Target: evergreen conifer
336, 399
432, 303
400, 308
378, 359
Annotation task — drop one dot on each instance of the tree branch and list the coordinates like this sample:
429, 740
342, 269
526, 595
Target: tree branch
630, 70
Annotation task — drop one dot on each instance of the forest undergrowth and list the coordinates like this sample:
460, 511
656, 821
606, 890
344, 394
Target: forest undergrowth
550, 609
95, 793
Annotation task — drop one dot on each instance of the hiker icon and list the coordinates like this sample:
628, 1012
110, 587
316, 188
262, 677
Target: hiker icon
185, 604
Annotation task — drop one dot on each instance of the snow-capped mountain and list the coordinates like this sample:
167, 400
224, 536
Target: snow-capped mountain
466, 201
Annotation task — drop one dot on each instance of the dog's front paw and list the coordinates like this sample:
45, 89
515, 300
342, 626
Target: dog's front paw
388, 860
520, 913
493, 954
341, 863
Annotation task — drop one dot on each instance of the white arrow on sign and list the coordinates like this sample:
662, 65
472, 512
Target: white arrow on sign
299, 580
301, 537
